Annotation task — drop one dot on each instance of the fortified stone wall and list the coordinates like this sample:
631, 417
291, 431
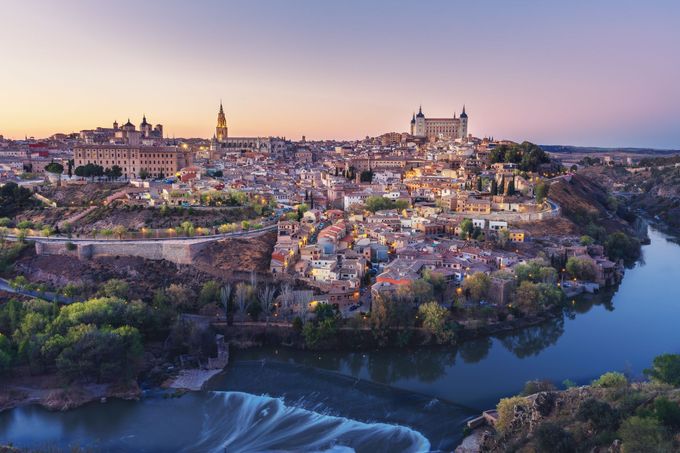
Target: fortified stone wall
177, 252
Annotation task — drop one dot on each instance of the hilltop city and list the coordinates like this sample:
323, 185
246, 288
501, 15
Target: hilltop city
432, 210
129, 257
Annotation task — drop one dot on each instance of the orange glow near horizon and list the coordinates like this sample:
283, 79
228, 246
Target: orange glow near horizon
568, 73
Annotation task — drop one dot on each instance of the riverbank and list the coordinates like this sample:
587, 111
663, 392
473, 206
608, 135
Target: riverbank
362, 338
48, 392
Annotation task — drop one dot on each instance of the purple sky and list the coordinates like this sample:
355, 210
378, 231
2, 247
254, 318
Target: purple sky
603, 73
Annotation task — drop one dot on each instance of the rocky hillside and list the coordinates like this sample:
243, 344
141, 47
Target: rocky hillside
223, 258
609, 416
585, 200
656, 191
220, 260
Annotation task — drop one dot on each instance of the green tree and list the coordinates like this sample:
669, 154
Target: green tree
55, 168
620, 246
143, 174
377, 203
541, 191
666, 369
14, 199
466, 228
434, 318
437, 282
586, 240
116, 172
119, 230
476, 286
510, 190
581, 268
418, 291
188, 228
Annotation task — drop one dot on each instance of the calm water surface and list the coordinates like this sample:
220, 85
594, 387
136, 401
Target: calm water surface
395, 400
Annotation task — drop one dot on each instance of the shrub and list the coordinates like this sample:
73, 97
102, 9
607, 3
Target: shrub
70, 246
552, 438
568, 384
668, 412
600, 414
643, 435
611, 379
506, 410
115, 288
532, 387
210, 293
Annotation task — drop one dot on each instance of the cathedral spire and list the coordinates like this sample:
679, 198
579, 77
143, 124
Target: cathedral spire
221, 129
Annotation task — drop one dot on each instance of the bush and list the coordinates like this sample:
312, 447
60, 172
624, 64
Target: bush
115, 288
643, 435
532, 387
210, 293
601, 415
568, 383
611, 379
506, 410
70, 246
554, 439
668, 412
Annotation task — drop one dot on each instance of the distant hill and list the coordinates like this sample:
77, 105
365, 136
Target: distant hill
569, 149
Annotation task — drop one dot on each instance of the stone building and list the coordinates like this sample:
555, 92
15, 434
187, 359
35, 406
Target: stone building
435, 128
156, 160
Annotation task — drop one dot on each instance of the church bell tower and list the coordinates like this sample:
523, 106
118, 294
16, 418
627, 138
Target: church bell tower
221, 129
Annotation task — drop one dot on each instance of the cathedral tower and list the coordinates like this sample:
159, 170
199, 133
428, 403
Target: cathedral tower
221, 129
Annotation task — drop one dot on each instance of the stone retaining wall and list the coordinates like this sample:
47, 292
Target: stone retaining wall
176, 252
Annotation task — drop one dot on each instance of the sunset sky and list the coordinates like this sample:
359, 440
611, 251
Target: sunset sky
604, 73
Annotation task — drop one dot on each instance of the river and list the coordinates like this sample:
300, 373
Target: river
388, 400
